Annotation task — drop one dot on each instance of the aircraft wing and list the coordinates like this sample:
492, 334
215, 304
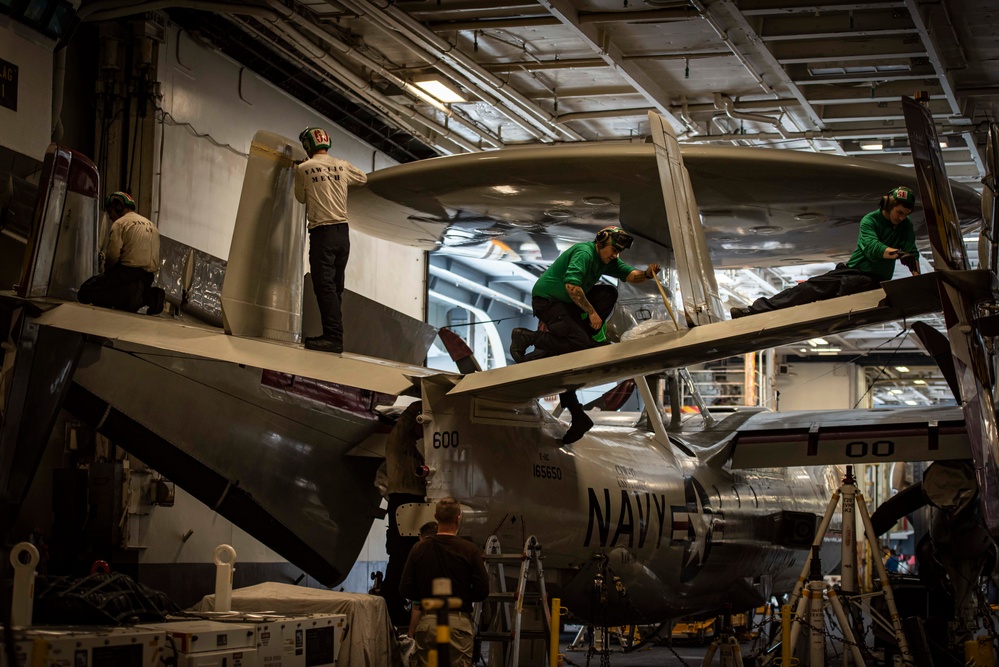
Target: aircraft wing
159, 333
769, 439
759, 207
896, 300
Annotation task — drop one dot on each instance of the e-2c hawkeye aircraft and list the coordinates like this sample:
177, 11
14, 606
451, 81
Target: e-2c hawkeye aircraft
285, 442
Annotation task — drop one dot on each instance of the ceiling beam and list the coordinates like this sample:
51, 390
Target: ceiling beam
767, 8
836, 50
536, 65
646, 16
601, 43
603, 113
493, 24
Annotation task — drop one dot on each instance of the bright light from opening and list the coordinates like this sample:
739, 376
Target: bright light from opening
438, 89
911, 402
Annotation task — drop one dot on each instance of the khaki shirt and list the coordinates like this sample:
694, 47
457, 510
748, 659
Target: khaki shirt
133, 241
321, 184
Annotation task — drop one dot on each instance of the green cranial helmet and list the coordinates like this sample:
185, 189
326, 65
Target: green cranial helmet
902, 195
120, 197
616, 236
314, 139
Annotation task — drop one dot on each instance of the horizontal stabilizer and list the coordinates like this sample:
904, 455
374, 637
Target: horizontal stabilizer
897, 300
775, 439
164, 334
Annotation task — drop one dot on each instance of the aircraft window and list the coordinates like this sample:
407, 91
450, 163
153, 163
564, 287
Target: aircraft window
738, 500
717, 495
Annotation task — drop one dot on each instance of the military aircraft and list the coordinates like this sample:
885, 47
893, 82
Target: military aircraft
285, 442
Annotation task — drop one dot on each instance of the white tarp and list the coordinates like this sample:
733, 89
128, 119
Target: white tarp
371, 640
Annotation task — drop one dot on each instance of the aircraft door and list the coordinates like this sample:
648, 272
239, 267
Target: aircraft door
62, 249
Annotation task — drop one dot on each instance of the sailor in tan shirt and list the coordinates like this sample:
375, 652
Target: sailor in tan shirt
321, 184
131, 260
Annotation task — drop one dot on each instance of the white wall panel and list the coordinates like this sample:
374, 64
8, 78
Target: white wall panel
27, 130
816, 386
207, 94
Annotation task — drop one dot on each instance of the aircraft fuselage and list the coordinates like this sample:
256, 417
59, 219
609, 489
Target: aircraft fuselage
683, 536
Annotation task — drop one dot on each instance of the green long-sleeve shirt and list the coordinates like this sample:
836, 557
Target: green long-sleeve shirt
579, 265
876, 234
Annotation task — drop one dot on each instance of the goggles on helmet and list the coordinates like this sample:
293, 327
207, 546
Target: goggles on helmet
618, 238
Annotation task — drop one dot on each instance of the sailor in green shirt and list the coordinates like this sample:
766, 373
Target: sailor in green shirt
885, 235
574, 307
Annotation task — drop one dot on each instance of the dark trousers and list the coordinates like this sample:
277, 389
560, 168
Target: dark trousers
568, 329
838, 282
120, 287
398, 548
329, 249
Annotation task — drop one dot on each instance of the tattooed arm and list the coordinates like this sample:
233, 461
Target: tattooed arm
578, 297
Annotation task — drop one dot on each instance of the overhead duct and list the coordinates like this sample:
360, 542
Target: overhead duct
359, 86
464, 70
276, 14
352, 53
472, 286
725, 103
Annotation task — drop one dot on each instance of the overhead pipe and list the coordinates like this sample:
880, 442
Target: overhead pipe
492, 332
361, 87
831, 135
692, 130
445, 69
477, 288
113, 9
603, 113
725, 103
107, 10
395, 19
349, 51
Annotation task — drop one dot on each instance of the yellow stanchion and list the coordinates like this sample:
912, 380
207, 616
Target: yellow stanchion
978, 652
554, 657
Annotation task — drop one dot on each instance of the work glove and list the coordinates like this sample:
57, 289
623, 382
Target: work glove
910, 262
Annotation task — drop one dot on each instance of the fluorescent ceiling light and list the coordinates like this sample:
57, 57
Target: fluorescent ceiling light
871, 145
911, 402
902, 369
439, 88
919, 382
817, 341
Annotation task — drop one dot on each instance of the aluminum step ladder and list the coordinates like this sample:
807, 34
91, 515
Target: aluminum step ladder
506, 608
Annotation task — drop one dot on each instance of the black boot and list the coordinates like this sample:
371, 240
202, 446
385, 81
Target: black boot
520, 340
324, 344
581, 423
155, 298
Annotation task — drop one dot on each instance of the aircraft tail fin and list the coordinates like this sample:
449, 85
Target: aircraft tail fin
696, 273
973, 363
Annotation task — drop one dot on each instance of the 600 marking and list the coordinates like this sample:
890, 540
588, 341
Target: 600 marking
445, 439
